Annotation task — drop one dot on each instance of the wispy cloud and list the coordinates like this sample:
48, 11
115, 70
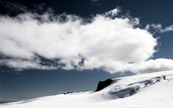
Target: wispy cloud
114, 44
94, 0
167, 29
158, 28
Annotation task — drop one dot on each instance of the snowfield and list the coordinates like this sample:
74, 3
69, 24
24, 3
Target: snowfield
152, 90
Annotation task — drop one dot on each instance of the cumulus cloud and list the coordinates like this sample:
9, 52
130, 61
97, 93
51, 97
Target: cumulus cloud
160, 64
25, 64
108, 42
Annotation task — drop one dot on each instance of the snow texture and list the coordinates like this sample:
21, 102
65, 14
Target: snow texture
152, 90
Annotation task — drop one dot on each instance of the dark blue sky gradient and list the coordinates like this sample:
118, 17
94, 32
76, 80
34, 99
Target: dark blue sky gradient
34, 83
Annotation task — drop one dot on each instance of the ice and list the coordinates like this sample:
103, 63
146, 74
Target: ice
152, 90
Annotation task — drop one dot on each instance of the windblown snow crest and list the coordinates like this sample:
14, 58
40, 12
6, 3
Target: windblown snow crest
118, 89
128, 86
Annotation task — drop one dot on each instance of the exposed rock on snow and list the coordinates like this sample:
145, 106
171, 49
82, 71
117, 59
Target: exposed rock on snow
102, 84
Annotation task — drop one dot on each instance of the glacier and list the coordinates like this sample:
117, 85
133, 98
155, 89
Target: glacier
150, 90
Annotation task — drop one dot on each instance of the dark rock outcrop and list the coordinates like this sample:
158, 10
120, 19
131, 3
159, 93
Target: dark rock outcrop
102, 84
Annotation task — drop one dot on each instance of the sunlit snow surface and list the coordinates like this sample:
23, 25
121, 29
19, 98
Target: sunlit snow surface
140, 91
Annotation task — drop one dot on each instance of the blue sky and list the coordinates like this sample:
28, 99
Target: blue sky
33, 72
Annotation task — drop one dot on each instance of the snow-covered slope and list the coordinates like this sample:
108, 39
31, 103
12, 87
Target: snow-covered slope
154, 90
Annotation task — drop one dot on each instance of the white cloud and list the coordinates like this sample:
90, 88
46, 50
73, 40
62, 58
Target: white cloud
160, 64
114, 44
25, 64
113, 12
155, 27
167, 29
158, 28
